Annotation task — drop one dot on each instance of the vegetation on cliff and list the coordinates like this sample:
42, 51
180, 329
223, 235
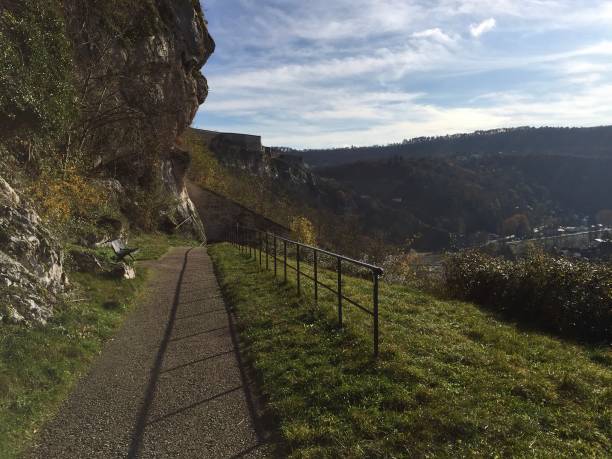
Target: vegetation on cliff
36, 72
92, 98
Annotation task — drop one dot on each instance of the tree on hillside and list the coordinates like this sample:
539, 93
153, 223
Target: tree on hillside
517, 225
303, 230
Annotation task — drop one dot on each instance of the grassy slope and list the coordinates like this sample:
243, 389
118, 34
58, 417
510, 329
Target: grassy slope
39, 366
452, 379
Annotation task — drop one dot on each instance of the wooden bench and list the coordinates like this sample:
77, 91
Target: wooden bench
121, 250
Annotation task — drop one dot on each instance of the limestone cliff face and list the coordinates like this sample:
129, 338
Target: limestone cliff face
138, 69
31, 270
106, 86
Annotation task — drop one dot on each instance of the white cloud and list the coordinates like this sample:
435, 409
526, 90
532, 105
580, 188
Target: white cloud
323, 73
485, 26
436, 34
323, 118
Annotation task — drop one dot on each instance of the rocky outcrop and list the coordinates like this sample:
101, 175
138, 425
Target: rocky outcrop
136, 87
174, 171
246, 153
123, 271
31, 262
138, 68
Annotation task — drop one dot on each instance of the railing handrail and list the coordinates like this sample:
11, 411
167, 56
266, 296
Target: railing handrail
251, 243
377, 269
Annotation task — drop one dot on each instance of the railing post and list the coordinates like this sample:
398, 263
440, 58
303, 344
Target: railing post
274, 237
249, 241
375, 299
267, 250
340, 291
316, 276
285, 259
299, 285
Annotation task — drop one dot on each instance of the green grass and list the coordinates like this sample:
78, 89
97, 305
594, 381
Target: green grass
40, 365
452, 380
153, 246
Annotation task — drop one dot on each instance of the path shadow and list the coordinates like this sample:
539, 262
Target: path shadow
173, 409
141, 419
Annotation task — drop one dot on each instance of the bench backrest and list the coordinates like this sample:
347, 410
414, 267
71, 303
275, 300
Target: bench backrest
117, 246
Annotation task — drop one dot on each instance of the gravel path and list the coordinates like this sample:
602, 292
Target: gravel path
169, 385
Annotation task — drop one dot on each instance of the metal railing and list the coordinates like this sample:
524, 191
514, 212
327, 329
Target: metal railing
254, 242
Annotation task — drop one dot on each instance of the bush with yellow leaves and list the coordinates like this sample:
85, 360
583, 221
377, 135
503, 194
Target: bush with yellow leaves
68, 199
303, 230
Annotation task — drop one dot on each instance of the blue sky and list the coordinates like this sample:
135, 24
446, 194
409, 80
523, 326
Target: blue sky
325, 73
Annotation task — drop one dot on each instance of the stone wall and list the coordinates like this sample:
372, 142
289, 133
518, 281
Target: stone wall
221, 214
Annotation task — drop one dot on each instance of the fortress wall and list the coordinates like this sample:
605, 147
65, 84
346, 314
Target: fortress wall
220, 215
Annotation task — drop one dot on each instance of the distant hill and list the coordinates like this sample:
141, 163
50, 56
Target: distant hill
432, 202
583, 142
469, 195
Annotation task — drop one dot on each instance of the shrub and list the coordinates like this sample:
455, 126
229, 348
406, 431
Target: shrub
303, 230
412, 269
570, 298
62, 199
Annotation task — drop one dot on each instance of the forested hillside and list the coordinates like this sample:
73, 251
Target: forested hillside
284, 190
480, 194
584, 142
426, 203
